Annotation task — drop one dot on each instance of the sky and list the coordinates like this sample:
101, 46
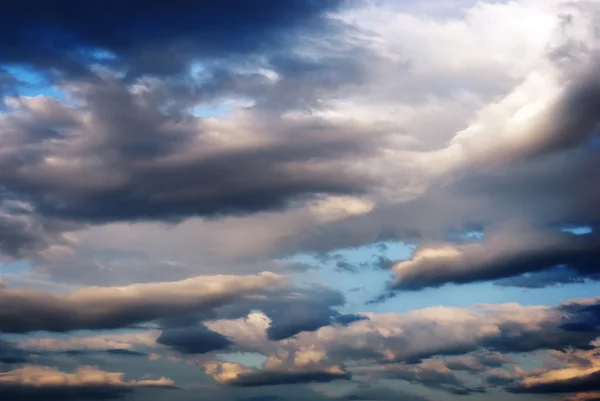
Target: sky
335, 200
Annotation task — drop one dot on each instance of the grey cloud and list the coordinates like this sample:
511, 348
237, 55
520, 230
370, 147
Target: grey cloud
574, 118
584, 318
193, 340
113, 351
478, 363
10, 354
114, 307
182, 31
347, 319
291, 310
546, 278
152, 193
266, 378
292, 315
23, 232
32, 382
262, 398
432, 374
142, 163
552, 191
579, 383
379, 393
507, 253
420, 335
416, 337
571, 372
584, 397
500, 378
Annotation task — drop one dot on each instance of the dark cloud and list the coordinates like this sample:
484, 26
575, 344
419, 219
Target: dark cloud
291, 311
262, 398
114, 351
507, 253
347, 319
496, 330
274, 378
135, 138
585, 318
550, 191
114, 307
43, 383
556, 276
433, 375
292, 315
578, 383
478, 363
574, 117
23, 232
152, 37
378, 393
549, 336
10, 354
142, 163
193, 340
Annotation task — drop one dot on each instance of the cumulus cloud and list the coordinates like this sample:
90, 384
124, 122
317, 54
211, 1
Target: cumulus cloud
405, 347
420, 335
32, 382
114, 307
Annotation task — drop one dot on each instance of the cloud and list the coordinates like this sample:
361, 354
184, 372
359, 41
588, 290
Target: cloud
584, 397
287, 311
181, 32
565, 380
419, 335
193, 340
260, 131
143, 162
11, 354
114, 307
315, 112
432, 373
586, 318
302, 312
234, 374
31, 382
100, 342
379, 392
505, 253
478, 363
555, 276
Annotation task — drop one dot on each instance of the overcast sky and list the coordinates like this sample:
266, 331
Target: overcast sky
298, 200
